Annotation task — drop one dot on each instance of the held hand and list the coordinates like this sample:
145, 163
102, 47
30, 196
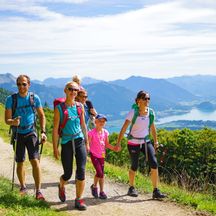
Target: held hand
117, 148
16, 121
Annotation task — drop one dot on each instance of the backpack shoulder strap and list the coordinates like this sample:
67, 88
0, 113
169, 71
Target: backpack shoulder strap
151, 117
64, 115
136, 114
79, 110
31, 99
14, 103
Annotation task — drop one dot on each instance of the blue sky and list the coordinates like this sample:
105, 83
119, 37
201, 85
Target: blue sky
107, 39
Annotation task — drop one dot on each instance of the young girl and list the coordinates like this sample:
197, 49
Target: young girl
99, 141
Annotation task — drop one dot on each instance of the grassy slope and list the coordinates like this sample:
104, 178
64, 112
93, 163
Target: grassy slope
11, 203
198, 201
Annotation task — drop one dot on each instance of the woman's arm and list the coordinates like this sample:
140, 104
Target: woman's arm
154, 134
122, 132
84, 129
55, 135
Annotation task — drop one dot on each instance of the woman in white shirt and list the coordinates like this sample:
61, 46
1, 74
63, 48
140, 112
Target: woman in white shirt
141, 119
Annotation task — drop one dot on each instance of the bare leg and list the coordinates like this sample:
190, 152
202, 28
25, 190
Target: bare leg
36, 171
96, 180
21, 173
62, 182
154, 178
101, 183
132, 177
79, 188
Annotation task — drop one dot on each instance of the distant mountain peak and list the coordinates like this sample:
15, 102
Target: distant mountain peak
7, 78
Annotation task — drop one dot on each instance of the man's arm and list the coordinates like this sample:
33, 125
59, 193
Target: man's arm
9, 120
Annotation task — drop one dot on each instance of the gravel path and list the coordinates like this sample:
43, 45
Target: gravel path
118, 203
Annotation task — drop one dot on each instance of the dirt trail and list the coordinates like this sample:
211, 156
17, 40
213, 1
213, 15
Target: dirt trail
118, 203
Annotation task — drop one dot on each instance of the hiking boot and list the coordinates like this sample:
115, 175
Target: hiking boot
80, 204
61, 193
157, 194
39, 196
102, 195
23, 191
132, 191
94, 191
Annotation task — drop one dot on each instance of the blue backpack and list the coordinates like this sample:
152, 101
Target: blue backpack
14, 106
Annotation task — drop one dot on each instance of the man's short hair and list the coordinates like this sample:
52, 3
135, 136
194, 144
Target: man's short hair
21, 76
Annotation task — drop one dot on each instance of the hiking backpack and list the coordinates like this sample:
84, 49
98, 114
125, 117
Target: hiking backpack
14, 106
91, 121
61, 102
136, 114
14, 103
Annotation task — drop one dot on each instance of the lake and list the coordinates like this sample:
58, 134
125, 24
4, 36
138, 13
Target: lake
194, 114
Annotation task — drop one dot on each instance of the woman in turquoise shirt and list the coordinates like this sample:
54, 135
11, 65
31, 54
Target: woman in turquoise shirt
74, 141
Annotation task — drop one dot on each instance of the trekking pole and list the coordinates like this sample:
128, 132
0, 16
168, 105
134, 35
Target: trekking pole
146, 151
14, 159
41, 150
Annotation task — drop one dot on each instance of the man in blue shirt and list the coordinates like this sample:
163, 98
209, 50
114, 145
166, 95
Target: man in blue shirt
23, 120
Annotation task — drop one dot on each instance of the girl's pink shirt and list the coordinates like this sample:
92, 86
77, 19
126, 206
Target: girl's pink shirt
98, 142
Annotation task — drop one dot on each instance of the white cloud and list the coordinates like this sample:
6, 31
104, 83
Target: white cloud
162, 38
61, 1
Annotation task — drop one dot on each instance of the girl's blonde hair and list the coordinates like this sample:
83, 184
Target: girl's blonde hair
76, 79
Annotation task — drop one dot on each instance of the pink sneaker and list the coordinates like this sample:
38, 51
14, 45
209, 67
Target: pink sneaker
61, 193
80, 204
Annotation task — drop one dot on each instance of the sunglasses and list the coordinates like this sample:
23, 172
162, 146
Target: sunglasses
83, 96
22, 84
148, 98
72, 89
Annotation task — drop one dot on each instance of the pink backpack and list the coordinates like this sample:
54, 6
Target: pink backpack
62, 124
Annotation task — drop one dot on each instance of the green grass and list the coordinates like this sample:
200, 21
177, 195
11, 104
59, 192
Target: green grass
11, 203
4, 129
199, 201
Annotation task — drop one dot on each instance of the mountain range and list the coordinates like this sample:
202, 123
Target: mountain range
115, 98
200, 85
59, 82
